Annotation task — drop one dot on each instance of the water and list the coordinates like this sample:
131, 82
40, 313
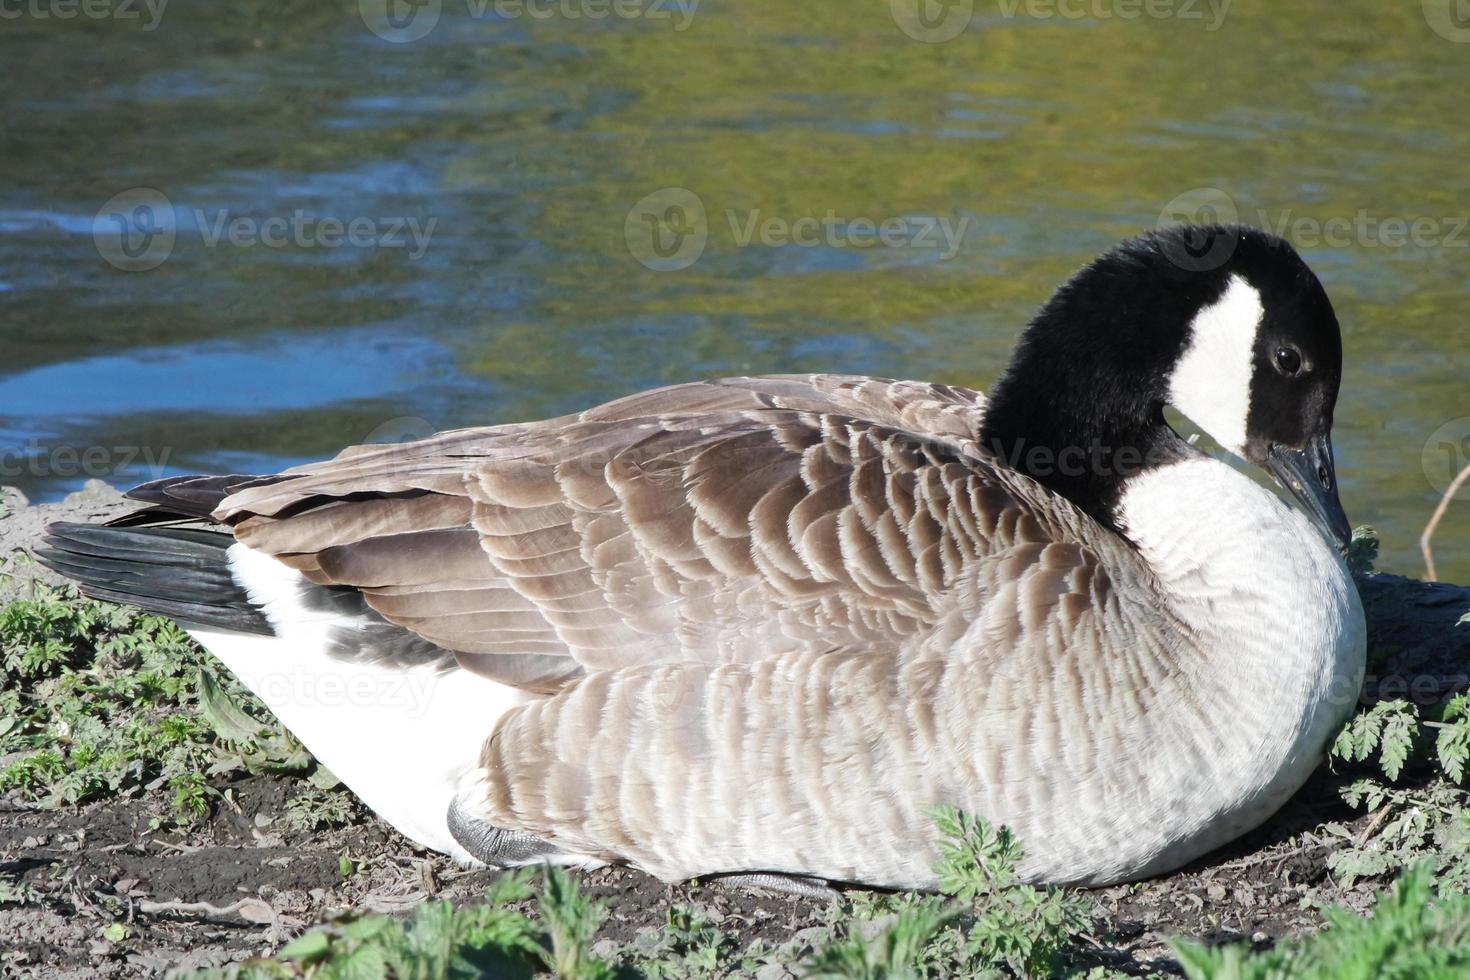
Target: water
492, 164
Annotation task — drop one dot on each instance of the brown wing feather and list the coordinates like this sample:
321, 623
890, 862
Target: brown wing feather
721, 522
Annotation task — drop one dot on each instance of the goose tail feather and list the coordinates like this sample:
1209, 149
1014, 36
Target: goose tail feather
181, 572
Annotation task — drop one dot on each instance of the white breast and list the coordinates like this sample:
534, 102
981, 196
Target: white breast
1278, 629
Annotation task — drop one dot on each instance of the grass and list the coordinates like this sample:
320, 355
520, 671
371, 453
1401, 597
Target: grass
1415, 930
986, 923
99, 701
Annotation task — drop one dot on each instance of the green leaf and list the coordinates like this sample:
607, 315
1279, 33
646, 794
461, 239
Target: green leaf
363, 963
1453, 744
308, 947
322, 778
1362, 550
223, 714
1398, 739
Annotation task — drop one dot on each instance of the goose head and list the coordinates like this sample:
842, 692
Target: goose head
1245, 345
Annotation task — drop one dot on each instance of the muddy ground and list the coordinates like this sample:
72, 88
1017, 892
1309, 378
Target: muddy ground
242, 881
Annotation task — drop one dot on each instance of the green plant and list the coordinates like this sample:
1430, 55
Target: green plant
1428, 823
1015, 925
441, 942
1412, 933
688, 945
1388, 727
1452, 746
99, 700
1362, 550
900, 951
318, 809
571, 922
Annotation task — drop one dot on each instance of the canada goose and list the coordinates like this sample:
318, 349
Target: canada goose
764, 625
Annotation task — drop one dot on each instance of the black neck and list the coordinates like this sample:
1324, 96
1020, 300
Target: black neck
1080, 409
1044, 423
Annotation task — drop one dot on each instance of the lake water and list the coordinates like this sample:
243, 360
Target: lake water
234, 236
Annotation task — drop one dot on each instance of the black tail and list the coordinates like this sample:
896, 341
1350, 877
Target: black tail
181, 572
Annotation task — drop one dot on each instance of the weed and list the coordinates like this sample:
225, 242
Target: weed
317, 809
571, 922
1362, 550
687, 946
1452, 747
1014, 925
1427, 823
1413, 932
900, 951
441, 942
1388, 727
99, 700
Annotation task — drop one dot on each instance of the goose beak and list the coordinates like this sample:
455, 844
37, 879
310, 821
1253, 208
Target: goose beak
1310, 476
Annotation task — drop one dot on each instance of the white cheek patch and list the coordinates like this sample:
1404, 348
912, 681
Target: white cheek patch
1212, 381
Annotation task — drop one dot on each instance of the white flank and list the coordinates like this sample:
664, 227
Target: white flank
399, 737
1212, 381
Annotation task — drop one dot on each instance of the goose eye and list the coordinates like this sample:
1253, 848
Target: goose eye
1288, 361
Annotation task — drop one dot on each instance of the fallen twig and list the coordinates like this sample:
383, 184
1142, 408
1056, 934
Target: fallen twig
1373, 825
1433, 525
250, 909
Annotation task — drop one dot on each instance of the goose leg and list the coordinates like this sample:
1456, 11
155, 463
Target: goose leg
785, 884
495, 847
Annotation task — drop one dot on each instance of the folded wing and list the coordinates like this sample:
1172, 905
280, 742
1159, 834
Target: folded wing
717, 522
